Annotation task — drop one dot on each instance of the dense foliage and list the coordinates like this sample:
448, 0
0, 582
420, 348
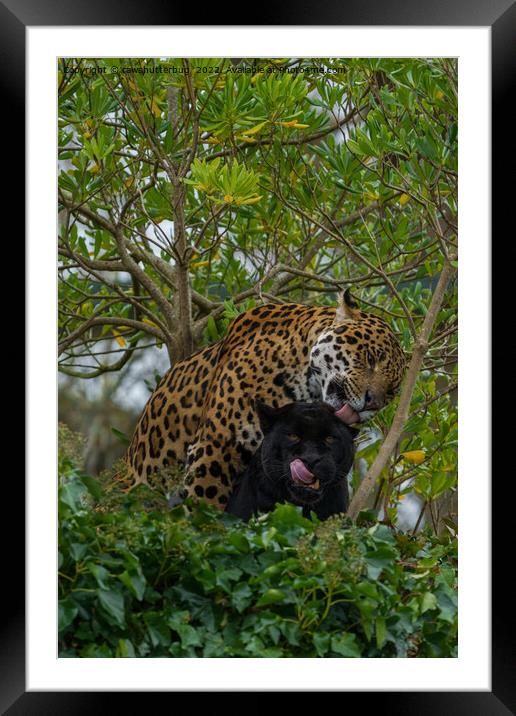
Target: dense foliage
136, 579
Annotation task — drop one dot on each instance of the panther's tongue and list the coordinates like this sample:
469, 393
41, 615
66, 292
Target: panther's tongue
347, 414
300, 473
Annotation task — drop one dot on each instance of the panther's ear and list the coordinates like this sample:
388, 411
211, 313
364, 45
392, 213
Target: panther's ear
347, 308
266, 414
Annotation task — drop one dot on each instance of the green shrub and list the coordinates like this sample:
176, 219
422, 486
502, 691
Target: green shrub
136, 580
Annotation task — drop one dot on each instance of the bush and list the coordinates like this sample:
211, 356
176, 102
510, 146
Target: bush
137, 580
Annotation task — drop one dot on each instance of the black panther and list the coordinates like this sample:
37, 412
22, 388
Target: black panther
303, 459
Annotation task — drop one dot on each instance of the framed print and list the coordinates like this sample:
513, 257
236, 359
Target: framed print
468, 50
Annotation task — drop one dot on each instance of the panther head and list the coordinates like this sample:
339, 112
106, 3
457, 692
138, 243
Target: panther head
358, 362
305, 451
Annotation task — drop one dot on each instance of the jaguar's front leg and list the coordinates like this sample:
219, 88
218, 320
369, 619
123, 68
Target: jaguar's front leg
213, 463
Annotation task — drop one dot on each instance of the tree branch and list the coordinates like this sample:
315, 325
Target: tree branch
400, 418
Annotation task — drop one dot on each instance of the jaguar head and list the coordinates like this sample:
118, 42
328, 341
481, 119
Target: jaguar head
358, 362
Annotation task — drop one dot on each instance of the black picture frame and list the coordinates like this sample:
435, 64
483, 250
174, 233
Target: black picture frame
500, 15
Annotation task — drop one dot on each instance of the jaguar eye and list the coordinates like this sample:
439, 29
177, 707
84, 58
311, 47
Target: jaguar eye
293, 438
370, 359
329, 439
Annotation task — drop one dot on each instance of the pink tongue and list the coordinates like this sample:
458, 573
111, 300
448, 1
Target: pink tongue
300, 472
347, 414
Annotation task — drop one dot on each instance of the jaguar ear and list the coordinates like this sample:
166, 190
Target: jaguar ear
267, 415
347, 308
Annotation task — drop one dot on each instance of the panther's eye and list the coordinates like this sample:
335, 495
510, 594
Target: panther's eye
370, 359
293, 437
329, 439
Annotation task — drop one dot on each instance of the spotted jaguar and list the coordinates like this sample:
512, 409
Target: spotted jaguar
202, 414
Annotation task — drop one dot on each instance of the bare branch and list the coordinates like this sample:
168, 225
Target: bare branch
400, 418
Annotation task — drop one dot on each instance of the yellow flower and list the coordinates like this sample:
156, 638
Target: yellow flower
228, 198
121, 341
415, 457
149, 322
255, 129
403, 199
199, 264
294, 123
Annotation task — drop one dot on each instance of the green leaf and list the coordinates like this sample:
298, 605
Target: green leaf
354, 147
212, 329
378, 560
345, 645
271, 596
120, 435
447, 603
428, 602
134, 582
225, 577
321, 643
189, 635
125, 649
239, 541
67, 611
241, 596
92, 485
102, 576
94, 651
158, 629
78, 550
381, 631
113, 604
71, 494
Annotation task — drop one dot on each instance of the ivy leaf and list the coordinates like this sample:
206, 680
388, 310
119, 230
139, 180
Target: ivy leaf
345, 645
113, 604
381, 631
428, 602
67, 611
134, 582
322, 643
